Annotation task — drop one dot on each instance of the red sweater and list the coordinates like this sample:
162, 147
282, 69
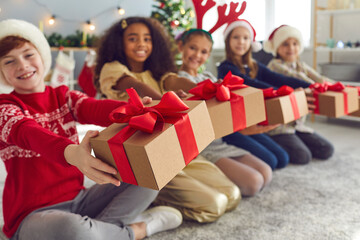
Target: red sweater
34, 132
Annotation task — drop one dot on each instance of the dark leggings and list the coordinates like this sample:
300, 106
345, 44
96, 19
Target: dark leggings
302, 147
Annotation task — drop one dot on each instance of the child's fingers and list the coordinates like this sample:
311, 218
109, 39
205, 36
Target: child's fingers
102, 166
86, 140
181, 93
101, 172
102, 178
310, 99
91, 133
146, 100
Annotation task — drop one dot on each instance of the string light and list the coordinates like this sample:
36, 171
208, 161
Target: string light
90, 25
121, 11
52, 20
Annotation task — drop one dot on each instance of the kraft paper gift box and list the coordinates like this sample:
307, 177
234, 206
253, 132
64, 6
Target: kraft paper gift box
356, 113
232, 105
284, 105
152, 159
334, 100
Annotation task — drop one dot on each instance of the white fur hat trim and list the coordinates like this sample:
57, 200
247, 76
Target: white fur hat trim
279, 35
255, 46
28, 31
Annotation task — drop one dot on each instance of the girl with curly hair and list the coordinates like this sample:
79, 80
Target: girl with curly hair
136, 52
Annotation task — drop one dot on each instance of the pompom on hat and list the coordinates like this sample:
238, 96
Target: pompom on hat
28, 31
256, 46
279, 35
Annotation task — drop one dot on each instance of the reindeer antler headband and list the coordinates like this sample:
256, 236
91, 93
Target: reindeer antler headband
222, 18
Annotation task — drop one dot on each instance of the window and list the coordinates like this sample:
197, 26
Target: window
265, 16
296, 13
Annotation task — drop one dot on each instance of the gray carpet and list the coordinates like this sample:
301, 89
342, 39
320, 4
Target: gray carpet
316, 201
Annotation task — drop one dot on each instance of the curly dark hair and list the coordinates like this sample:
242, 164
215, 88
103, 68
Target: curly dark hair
110, 48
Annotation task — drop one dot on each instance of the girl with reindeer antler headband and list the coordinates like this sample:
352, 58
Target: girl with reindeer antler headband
262, 146
247, 171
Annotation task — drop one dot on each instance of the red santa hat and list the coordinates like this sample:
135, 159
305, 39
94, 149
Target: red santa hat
28, 31
279, 35
256, 46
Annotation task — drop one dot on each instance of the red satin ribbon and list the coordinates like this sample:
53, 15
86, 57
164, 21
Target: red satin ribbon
148, 119
222, 91
323, 87
283, 91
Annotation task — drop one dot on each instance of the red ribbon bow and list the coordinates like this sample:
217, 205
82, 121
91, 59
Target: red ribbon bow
222, 91
282, 91
323, 87
146, 119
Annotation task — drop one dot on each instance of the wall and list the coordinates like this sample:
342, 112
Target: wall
72, 15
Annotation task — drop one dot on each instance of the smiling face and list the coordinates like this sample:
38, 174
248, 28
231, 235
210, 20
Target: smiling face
195, 52
289, 50
23, 69
240, 41
137, 46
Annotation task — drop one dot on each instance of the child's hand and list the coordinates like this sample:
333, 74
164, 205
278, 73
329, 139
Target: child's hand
310, 100
258, 129
146, 100
95, 169
181, 93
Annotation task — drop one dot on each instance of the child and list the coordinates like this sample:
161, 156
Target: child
143, 60
44, 196
286, 44
248, 172
145, 66
239, 42
239, 39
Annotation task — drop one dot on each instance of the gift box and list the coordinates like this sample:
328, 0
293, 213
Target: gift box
356, 113
148, 152
284, 105
232, 105
334, 100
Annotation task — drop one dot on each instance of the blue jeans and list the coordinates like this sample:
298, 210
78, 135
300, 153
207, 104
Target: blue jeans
262, 146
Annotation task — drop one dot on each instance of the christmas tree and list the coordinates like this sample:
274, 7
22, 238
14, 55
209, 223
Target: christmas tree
173, 15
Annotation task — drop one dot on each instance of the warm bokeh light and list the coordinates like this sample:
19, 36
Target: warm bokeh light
52, 20
121, 11
90, 26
